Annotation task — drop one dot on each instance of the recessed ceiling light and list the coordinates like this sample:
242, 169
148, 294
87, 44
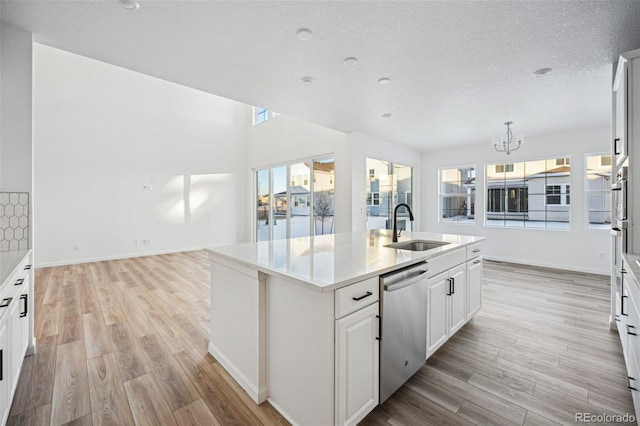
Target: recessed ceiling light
304, 34
308, 80
129, 4
350, 60
386, 115
541, 72
384, 80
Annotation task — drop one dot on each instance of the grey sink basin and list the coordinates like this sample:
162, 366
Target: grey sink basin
417, 245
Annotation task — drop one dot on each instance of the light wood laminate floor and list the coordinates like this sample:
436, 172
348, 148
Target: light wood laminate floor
125, 342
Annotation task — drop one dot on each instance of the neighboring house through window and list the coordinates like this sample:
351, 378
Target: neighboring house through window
458, 194
529, 194
598, 191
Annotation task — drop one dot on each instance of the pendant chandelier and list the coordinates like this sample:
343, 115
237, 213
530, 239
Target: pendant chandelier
507, 143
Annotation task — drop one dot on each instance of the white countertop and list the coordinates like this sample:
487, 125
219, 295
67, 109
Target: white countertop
9, 261
328, 262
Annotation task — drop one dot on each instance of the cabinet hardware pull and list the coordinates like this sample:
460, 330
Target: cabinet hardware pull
1, 364
27, 267
450, 280
24, 297
476, 262
476, 251
622, 297
623, 271
19, 282
629, 385
629, 332
453, 286
367, 294
379, 327
615, 146
6, 302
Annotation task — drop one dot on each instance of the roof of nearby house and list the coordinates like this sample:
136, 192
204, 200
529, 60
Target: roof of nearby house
295, 190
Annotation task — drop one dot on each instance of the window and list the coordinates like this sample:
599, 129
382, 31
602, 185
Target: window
553, 189
260, 115
530, 194
598, 191
502, 168
373, 199
458, 194
289, 211
387, 185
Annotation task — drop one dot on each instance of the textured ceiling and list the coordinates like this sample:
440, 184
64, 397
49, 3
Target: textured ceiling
458, 69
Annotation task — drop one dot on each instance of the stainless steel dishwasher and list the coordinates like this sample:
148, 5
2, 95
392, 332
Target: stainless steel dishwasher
403, 343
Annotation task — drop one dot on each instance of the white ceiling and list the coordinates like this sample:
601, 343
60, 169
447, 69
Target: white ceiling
458, 69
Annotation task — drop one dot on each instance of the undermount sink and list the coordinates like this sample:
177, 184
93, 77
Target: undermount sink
417, 245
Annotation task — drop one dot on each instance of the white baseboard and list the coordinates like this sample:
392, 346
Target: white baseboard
114, 257
258, 395
550, 265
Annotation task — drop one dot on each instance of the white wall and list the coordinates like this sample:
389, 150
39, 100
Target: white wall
102, 132
578, 249
16, 75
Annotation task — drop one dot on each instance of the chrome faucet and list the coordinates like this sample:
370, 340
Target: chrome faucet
396, 234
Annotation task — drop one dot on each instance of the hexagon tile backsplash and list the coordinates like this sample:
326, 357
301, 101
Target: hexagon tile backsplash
14, 220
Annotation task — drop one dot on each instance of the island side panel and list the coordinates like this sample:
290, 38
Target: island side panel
238, 324
301, 352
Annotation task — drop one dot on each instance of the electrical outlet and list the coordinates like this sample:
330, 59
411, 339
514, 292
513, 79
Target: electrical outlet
76, 247
146, 187
135, 242
149, 241
603, 256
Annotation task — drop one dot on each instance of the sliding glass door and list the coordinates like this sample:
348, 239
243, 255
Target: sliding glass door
295, 200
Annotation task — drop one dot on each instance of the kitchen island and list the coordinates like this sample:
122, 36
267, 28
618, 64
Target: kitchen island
298, 322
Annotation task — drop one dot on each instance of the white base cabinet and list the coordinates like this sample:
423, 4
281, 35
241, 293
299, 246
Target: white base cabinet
357, 365
446, 306
15, 331
454, 294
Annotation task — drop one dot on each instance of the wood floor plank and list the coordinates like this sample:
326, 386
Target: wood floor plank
128, 353
109, 404
138, 321
71, 386
47, 320
24, 388
45, 367
147, 403
177, 390
196, 413
97, 339
224, 403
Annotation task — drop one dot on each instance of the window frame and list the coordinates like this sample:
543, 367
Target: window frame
260, 115
504, 203
441, 220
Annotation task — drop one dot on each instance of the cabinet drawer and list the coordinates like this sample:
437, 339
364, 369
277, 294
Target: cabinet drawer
474, 250
446, 261
355, 296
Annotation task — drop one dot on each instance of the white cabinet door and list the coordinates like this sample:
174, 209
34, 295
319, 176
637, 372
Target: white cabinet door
437, 310
357, 365
458, 297
24, 317
474, 286
16, 340
5, 374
